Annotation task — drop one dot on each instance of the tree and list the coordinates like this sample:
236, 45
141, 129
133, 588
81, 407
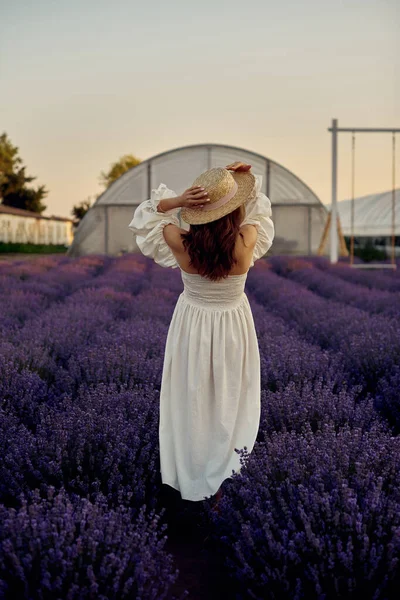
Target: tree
80, 210
13, 180
118, 168
9, 158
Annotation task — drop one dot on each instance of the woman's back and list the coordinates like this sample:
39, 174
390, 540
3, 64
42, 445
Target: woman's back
222, 294
243, 253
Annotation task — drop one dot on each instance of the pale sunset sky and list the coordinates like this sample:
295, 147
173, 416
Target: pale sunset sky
84, 82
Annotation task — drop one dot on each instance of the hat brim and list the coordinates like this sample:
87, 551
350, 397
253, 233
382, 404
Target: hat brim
197, 216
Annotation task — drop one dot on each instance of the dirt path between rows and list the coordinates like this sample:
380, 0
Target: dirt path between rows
201, 569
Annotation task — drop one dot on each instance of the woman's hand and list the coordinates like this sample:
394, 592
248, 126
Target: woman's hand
192, 197
238, 166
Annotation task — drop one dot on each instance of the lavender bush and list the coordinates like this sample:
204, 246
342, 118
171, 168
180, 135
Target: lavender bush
328, 286
369, 344
315, 515
386, 280
315, 510
56, 548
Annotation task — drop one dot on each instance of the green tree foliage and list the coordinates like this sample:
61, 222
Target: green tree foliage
9, 159
13, 180
80, 210
126, 162
118, 168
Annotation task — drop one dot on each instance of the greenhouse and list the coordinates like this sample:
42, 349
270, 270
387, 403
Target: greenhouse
299, 215
372, 219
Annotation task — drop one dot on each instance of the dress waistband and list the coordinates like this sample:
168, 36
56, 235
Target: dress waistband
220, 303
222, 294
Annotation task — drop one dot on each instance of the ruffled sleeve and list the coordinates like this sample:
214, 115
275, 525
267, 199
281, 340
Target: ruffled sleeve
259, 213
147, 226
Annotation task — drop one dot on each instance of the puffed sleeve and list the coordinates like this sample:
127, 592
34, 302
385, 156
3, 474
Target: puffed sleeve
147, 226
259, 213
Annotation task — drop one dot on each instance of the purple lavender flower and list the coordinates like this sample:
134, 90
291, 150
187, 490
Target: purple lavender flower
57, 548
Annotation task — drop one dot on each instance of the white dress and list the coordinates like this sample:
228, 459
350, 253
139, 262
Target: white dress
210, 388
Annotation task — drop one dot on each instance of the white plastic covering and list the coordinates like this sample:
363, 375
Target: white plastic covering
372, 215
298, 213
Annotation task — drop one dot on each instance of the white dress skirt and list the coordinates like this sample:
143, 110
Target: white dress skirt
210, 388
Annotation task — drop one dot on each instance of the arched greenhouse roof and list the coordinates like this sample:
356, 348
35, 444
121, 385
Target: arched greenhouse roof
178, 168
372, 215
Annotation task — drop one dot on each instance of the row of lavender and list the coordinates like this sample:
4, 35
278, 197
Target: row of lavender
314, 512
371, 345
81, 347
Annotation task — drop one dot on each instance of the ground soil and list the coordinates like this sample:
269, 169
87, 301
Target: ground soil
201, 567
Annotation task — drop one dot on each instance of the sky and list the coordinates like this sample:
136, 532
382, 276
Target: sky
84, 82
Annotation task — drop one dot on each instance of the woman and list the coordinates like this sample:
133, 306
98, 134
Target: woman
210, 388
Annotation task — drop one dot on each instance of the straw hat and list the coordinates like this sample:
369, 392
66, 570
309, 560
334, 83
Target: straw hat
227, 190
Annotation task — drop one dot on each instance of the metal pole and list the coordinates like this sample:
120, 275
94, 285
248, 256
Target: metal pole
393, 257
149, 182
106, 229
333, 234
367, 129
353, 152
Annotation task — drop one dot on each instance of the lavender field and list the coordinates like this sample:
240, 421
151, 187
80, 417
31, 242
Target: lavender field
315, 510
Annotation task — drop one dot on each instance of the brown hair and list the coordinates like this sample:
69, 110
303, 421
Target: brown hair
211, 246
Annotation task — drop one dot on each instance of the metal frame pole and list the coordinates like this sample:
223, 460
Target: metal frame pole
106, 230
393, 255
333, 233
335, 130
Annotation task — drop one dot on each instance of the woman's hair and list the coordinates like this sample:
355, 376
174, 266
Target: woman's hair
211, 246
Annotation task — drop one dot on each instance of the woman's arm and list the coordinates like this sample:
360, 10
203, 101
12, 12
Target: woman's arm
194, 196
258, 217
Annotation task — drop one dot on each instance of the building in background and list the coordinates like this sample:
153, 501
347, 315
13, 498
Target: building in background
298, 214
372, 220
23, 226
